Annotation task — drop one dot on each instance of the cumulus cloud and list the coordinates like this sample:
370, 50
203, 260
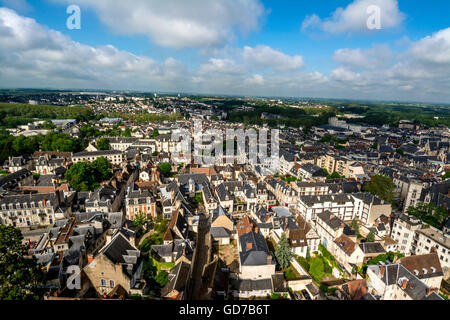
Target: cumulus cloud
354, 17
33, 54
179, 23
421, 72
266, 57
373, 58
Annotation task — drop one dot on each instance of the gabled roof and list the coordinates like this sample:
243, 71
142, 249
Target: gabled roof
423, 266
346, 244
372, 247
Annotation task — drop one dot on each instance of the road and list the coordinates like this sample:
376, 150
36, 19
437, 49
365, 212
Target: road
201, 259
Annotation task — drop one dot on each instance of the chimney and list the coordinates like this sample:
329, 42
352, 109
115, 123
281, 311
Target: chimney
90, 258
256, 229
382, 271
269, 259
404, 284
431, 290
248, 246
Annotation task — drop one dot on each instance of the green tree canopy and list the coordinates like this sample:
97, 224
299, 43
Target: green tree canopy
165, 168
20, 277
371, 236
355, 225
282, 252
85, 176
430, 214
103, 144
383, 187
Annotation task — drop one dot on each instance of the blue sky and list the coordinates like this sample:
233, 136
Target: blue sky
244, 47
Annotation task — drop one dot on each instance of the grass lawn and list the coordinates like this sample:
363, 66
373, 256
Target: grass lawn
163, 265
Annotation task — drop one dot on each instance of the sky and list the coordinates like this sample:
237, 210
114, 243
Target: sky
353, 49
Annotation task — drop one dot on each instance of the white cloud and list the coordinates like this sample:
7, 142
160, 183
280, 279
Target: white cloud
33, 54
354, 17
433, 49
256, 79
266, 57
179, 23
376, 57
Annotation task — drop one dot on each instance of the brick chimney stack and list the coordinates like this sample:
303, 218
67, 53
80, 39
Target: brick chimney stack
248, 246
269, 259
382, 271
404, 284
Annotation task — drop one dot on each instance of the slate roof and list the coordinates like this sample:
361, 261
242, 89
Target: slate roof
331, 220
254, 285
259, 252
178, 278
219, 232
415, 288
372, 247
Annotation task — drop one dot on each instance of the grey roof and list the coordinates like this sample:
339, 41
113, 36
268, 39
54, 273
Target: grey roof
254, 285
331, 220
96, 153
368, 198
259, 252
372, 247
219, 232
198, 178
395, 273
178, 278
11, 180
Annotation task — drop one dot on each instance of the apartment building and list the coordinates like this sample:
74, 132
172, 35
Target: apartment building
139, 201
403, 231
121, 144
427, 239
31, 209
368, 208
113, 156
341, 205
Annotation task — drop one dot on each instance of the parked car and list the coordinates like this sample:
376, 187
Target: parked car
306, 294
299, 296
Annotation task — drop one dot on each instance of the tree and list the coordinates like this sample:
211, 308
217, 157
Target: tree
127, 133
430, 214
103, 144
446, 176
282, 252
102, 166
20, 277
383, 187
85, 176
371, 236
355, 225
155, 133
162, 279
139, 222
165, 168
316, 269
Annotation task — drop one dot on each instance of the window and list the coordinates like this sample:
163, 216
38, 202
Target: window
111, 283
102, 283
